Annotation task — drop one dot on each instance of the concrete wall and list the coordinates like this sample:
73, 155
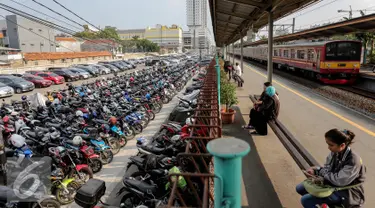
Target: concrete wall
68, 46
24, 37
169, 38
129, 34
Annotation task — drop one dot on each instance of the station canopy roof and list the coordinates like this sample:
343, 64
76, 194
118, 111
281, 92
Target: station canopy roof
359, 24
230, 18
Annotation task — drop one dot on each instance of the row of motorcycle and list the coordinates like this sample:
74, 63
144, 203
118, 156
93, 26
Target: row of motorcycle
146, 182
68, 135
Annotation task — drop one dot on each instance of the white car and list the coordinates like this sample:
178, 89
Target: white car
102, 69
5, 91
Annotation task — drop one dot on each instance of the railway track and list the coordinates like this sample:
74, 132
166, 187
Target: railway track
358, 91
302, 80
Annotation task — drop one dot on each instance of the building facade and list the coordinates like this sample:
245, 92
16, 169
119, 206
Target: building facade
196, 13
101, 45
28, 36
168, 38
68, 44
129, 34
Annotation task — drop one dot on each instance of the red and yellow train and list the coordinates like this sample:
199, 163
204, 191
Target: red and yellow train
332, 62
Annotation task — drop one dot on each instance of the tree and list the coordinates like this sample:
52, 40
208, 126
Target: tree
365, 38
107, 33
263, 37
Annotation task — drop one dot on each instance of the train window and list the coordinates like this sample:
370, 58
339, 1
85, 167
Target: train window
310, 55
274, 52
301, 54
343, 51
292, 53
280, 53
286, 53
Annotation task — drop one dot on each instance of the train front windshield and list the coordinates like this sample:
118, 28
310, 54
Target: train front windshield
343, 51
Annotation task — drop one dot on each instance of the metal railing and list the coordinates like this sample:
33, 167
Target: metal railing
206, 127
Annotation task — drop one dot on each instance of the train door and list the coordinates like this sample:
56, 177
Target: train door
318, 60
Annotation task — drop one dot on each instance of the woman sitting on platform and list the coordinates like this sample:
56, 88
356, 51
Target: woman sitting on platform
265, 109
343, 169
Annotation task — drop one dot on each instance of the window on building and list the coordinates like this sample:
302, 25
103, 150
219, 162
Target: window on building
23, 44
40, 30
32, 44
63, 60
301, 54
31, 29
274, 52
52, 61
79, 59
35, 63
310, 55
286, 53
4, 33
292, 53
93, 58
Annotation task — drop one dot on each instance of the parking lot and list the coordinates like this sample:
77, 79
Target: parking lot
63, 86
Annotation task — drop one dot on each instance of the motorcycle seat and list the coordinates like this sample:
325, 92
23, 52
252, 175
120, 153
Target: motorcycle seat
158, 172
154, 149
100, 121
84, 136
137, 159
29, 142
140, 185
53, 125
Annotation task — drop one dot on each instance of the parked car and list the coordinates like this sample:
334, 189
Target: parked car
37, 80
91, 67
102, 69
5, 90
152, 62
130, 64
56, 79
67, 74
80, 72
91, 71
17, 75
17, 83
110, 67
32, 72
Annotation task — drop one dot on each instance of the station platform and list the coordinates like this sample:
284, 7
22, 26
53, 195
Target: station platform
307, 116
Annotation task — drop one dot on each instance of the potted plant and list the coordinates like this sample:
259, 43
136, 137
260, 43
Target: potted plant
228, 98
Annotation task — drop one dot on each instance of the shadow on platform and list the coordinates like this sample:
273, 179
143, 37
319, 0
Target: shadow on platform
259, 189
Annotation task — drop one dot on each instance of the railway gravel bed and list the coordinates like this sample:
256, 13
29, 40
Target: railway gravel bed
357, 102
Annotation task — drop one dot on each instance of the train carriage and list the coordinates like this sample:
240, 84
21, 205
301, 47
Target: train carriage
332, 62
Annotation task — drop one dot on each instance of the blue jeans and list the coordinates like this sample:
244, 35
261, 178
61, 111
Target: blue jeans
309, 201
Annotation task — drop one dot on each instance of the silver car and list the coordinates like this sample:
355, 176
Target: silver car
5, 91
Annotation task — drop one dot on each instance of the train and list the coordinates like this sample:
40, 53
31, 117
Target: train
334, 62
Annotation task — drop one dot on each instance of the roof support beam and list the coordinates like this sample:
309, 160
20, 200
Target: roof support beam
248, 3
233, 14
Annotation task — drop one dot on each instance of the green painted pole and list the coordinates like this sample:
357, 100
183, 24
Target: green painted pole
228, 153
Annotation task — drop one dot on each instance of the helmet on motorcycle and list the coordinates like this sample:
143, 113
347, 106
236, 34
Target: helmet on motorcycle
57, 173
113, 120
148, 96
55, 95
105, 128
77, 140
24, 97
167, 161
85, 115
88, 91
6, 119
17, 140
79, 113
132, 79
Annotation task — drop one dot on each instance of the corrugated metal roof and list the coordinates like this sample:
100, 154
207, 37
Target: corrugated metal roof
232, 18
63, 55
69, 39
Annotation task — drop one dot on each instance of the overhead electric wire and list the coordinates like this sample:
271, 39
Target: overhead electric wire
43, 22
35, 18
35, 33
58, 13
76, 14
46, 14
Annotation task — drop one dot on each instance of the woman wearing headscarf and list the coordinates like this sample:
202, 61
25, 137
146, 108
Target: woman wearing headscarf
267, 110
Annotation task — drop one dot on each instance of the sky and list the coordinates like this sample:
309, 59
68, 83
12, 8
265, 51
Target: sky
135, 14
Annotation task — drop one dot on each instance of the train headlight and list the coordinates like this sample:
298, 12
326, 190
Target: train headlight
328, 65
355, 65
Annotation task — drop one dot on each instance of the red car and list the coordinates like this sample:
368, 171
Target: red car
56, 79
38, 81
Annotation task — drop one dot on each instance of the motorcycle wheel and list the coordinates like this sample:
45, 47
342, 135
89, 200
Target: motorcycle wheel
106, 156
144, 122
95, 164
114, 144
67, 198
84, 175
151, 115
130, 134
123, 141
130, 201
166, 100
48, 203
137, 128
156, 108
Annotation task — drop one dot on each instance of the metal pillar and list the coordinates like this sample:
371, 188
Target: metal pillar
241, 53
294, 24
233, 53
270, 47
217, 67
228, 153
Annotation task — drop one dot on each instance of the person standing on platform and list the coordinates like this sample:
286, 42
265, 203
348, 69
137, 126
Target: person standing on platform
238, 70
343, 169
